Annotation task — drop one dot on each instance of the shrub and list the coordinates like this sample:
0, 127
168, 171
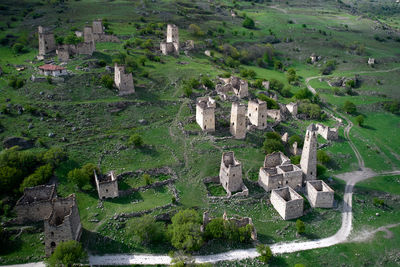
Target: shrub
195, 30
271, 104
215, 229
79, 177
321, 170
67, 253
19, 48
187, 90
147, 179
207, 82
392, 106
300, 226
41, 176
184, 231
73, 39
349, 107
296, 138
273, 135
323, 157
136, 140
146, 229
265, 253
54, 156
313, 111
15, 82
292, 76
303, 94
360, 120
295, 159
248, 23
107, 81
378, 202
272, 145
276, 85
329, 67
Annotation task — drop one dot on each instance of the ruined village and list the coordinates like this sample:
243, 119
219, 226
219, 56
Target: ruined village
206, 132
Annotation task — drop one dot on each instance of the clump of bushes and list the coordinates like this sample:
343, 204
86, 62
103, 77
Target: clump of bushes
107, 81
15, 82
82, 177
273, 143
136, 140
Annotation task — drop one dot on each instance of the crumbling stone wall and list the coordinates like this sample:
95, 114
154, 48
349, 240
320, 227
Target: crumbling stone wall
107, 185
240, 87
205, 113
328, 133
47, 42
275, 159
293, 108
274, 114
319, 194
123, 81
63, 224
257, 113
238, 120
230, 173
308, 160
287, 203
36, 203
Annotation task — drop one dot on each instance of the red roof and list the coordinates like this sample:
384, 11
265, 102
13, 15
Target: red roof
51, 67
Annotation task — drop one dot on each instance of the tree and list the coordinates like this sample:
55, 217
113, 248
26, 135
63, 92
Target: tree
54, 156
265, 253
300, 226
321, 170
184, 232
323, 157
147, 179
273, 135
195, 30
19, 48
303, 94
295, 159
146, 229
89, 169
10, 178
187, 90
296, 138
207, 82
276, 85
271, 104
248, 23
107, 81
349, 107
136, 140
272, 145
360, 120
215, 229
292, 76
79, 177
40, 176
67, 253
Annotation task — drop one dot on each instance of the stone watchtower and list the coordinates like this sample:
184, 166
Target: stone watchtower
205, 113
107, 185
238, 120
123, 81
47, 42
98, 26
257, 113
63, 224
308, 160
230, 173
173, 36
88, 34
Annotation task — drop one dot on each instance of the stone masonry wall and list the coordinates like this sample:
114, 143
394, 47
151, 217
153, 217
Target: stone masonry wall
287, 203
319, 194
238, 121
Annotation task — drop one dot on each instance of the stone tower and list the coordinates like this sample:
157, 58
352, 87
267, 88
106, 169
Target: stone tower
308, 160
257, 113
47, 42
230, 173
172, 33
88, 34
205, 113
171, 45
98, 26
238, 120
123, 81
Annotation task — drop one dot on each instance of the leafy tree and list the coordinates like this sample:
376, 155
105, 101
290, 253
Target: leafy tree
272, 145
187, 90
207, 82
303, 94
271, 104
40, 176
349, 107
15, 82
300, 226
265, 253
147, 178
249, 23
321, 170
184, 232
79, 177
54, 156
146, 229
276, 85
67, 253
195, 30
10, 178
295, 159
278, 65
323, 157
378, 202
273, 135
136, 140
89, 169
329, 67
73, 39
215, 229
292, 76
296, 138
360, 120
19, 48
107, 81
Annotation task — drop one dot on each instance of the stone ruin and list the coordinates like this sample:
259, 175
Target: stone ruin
238, 121
47, 42
99, 35
314, 58
171, 45
107, 185
239, 222
287, 202
371, 61
293, 108
319, 194
308, 160
230, 175
257, 113
35, 204
123, 81
205, 113
328, 133
279, 172
62, 224
239, 87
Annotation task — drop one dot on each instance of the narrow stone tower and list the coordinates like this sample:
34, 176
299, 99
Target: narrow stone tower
47, 42
97, 26
257, 113
238, 120
123, 81
308, 160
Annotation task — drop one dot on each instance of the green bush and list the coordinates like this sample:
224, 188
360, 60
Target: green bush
273, 135
271, 104
207, 83
146, 229
136, 140
303, 94
41, 176
378, 202
15, 82
248, 23
272, 145
19, 48
265, 253
349, 107
321, 170
107, 81
276, 85
300, 226
323, 157
187, 90
147, 179
68, 253
295, 159
54, 156
79, 177
296, 138
360, 120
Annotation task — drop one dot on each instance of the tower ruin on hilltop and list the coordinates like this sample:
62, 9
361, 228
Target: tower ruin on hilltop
308, 160
171, 45
123, 81
238, 120
205, 113
47, 42
257, 113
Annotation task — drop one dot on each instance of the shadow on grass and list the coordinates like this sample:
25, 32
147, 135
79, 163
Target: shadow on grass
127, 199
278, 261
151, 151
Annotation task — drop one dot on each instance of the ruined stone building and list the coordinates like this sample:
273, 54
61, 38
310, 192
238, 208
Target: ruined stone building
47, 42
308, 160
238, 221
293, 108
171, 45
371, 61
240, 87
238, 121
107, 185
257, 113
319, 194
279, 172
230, 173
274, 114
123, 81
205, 113
313, 58
287, 202
62, 224
99, 34
327, 133
36, 203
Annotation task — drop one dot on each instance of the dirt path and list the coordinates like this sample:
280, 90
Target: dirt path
280, 9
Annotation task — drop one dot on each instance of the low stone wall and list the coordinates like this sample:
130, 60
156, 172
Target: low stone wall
143, 212
215, 179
